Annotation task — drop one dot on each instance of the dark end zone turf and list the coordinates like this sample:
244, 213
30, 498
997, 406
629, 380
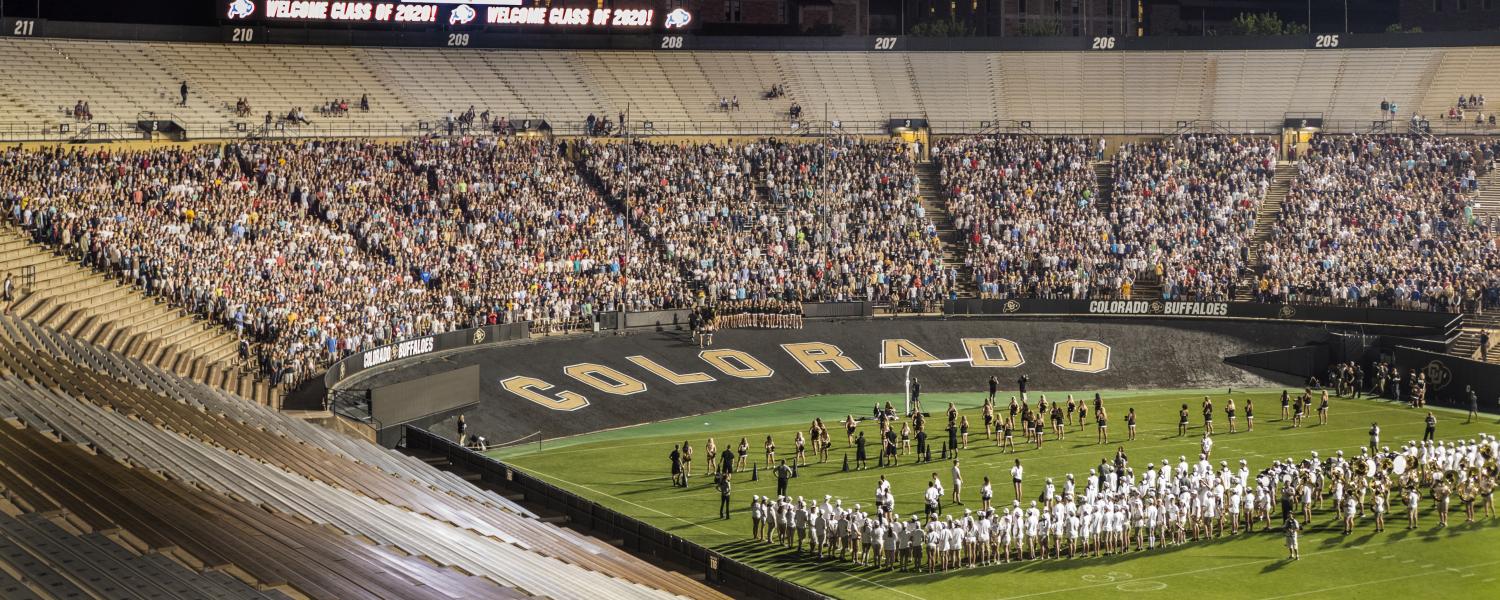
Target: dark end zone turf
1140, 355
627, 470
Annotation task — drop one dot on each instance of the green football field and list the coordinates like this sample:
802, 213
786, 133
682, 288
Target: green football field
628, 470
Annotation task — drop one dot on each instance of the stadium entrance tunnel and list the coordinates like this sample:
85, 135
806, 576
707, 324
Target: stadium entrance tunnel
571, 385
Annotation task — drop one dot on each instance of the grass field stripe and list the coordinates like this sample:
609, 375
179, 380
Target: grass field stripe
1020, 454
1179, 574
1387, 580
619, 499
654, 439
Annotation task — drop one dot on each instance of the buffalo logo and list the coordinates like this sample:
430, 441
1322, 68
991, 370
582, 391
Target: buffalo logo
1438, 375
241, 9
1157, 307
1012, 306
1287, 311
678, 19
478, 335
462, 14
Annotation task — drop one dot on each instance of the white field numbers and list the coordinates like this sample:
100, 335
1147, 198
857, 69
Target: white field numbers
242, 35
24, 27
1103, 43
1326, 41
671, 42
885, 43
458, 40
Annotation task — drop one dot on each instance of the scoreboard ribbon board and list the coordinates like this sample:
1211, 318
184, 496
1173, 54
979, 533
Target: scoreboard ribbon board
452, 14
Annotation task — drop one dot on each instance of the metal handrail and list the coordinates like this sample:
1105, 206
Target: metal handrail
324, 127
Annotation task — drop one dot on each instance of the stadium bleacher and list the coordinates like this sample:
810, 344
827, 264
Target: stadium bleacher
259, 469
122, 79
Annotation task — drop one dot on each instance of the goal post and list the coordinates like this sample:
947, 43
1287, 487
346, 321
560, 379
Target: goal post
906, 389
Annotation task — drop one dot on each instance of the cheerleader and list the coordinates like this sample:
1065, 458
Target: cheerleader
1130, 423
800, 458
1249, 415
710, 450
1229, 413
771, 450
1182, 420
1102, 419
1208, 415
744, 452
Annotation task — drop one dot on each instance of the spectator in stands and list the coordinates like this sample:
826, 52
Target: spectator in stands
8, 293
364, 102
184, 92
795, 111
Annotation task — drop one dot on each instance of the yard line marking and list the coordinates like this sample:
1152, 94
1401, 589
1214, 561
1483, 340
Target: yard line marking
1164, 576
1357, 584
673, 435
619, 499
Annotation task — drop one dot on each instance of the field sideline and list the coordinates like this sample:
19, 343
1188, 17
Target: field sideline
627, 469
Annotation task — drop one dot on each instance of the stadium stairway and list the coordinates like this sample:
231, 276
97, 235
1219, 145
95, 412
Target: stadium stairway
1270, 210
56, 291
1104, 176
1487, 201
954, 247
1467, 344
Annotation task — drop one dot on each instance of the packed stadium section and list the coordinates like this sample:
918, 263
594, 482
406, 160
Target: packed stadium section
421, 299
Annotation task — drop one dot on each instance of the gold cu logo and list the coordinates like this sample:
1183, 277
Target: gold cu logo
1157, 307
1012, 306
1287, 311
1438, 375
478, 335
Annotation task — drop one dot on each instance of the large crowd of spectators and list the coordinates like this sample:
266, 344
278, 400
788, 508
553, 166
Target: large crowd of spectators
1184, 209
317, 249
320, 249
1182, 212
830, 220
1384, 221
1028, 207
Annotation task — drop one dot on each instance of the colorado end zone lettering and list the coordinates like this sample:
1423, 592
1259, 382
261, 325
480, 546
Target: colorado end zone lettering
406, 349
1158, 307
816, 358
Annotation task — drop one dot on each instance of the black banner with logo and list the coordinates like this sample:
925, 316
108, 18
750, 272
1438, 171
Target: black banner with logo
1409, 319
1449, 377
421, 346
